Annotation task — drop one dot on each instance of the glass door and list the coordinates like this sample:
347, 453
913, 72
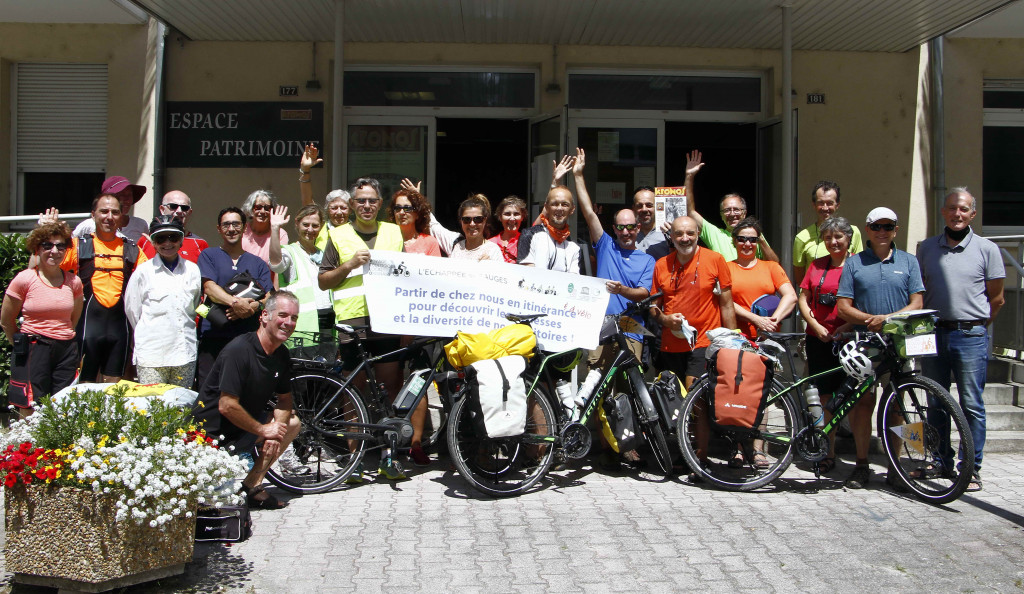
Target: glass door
546, 145
390, 149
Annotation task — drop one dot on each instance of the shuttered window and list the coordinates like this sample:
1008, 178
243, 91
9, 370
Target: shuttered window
60, 134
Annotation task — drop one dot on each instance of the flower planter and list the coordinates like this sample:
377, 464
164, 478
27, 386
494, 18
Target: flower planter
63, 537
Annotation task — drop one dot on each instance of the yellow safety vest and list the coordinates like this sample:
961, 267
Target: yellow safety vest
304, 285
350, 295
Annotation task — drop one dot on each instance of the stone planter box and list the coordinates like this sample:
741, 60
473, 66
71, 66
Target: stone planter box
63, 537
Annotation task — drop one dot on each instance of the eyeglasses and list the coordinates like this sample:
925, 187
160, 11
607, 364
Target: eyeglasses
882, 226
404, 208
745, 239
232, 225
367, 200
626, 227
476, 220
166, 237
181, 207
49, 245
256, 207
732, 210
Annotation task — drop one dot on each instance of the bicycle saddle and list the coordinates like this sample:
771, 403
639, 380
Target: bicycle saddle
523, 319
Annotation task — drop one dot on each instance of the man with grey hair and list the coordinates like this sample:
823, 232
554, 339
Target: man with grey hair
336, 202
963, 277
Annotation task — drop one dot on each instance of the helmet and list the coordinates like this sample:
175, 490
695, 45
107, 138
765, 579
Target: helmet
566, 361
854, 361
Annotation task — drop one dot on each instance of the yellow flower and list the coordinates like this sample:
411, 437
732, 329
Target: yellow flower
91, 424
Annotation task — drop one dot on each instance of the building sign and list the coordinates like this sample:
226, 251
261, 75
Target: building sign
241, 134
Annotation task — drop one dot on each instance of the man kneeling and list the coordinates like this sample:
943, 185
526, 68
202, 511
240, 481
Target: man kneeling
233, 400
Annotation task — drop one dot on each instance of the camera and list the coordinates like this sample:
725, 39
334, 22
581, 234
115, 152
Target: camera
827, 299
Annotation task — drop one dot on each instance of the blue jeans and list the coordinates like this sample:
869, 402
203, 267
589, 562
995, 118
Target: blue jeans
962, 355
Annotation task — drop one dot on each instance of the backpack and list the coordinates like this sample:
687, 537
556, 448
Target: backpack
87, 262
617, 423
743, 381
667, 393
497, 396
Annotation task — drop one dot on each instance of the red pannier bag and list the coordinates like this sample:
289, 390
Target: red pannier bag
743, 381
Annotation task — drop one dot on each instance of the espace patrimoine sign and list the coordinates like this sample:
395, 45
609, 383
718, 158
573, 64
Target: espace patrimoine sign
241, 134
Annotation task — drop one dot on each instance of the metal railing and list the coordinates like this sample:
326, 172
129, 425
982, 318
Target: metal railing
1006, 331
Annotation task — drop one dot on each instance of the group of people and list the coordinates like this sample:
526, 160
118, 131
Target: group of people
117, 288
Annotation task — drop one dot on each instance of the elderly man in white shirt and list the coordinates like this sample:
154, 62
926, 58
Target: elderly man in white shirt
161, 302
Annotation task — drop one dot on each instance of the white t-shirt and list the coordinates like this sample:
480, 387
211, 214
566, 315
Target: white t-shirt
563, 256
485, 251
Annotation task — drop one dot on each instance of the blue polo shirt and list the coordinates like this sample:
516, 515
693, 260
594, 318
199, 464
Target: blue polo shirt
632, 268
880, 286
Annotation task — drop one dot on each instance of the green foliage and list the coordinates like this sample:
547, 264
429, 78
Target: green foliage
13, 259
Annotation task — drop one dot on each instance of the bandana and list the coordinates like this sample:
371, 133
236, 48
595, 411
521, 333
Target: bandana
557, 235
958, 235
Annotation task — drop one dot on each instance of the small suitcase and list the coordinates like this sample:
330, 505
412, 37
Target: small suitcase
230, 523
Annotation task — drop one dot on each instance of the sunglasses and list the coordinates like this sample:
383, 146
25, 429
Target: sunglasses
367, 200
882, 226
626, 227
476, 220
404, 208
166, 238
744, 239
181, 207
49, 245
256, 207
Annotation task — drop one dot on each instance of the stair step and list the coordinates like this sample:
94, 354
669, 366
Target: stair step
1004, 417
997, 393
1004, 442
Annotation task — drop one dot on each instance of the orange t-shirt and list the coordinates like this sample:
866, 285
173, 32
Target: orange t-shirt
764, 278
688, 289
108, 278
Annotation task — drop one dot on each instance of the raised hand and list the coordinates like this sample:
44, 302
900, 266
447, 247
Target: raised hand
309, 160
693, 162
52, 215
279, 216
408, 186
559, 169
580, 162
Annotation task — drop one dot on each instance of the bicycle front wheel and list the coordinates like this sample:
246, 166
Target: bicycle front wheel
505, 466
726, 458
329, 449
922, 428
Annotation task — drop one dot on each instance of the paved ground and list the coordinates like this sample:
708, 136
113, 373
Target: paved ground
594, 532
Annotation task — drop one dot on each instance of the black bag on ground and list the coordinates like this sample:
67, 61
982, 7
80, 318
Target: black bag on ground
231, 523
667, 393
617, 422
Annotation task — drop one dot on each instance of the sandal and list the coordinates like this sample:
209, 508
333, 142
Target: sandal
737, 461
825, 465
258, 498
975, 484
930, 471
761, 461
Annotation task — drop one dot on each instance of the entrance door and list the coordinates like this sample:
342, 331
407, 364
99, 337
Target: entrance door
389, 149
546, 145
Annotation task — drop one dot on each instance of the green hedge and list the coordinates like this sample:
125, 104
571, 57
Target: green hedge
13, 259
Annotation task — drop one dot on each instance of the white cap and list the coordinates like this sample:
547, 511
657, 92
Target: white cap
880, 213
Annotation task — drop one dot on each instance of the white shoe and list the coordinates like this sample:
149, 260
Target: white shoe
291, 464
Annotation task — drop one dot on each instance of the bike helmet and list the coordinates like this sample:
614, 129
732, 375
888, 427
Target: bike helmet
854, 361
567, 361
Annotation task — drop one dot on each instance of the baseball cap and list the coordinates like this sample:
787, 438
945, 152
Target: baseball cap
115, 184
880, 213
166, 224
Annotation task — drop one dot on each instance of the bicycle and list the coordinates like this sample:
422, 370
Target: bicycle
908, 422
339, 425
512, 465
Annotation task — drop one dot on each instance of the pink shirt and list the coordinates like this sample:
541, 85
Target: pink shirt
509, 252
423, 244
47, 310
259, 245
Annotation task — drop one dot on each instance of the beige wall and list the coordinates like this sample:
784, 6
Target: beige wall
124, 49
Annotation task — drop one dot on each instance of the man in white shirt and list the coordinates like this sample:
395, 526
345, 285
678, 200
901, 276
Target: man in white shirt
547, 244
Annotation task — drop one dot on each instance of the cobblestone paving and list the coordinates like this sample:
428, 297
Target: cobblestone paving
590, 531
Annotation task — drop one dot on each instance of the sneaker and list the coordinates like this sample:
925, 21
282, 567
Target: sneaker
290, 463
356, 478
419, 457
391, 470
859, 478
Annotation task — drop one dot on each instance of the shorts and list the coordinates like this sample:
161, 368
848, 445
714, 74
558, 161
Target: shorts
44, 367
178, 375
104, 336
374, 343
821, 357
687, 364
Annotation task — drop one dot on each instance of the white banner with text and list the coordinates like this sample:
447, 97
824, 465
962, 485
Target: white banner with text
421, 295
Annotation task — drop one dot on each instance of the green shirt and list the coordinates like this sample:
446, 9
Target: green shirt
808, 245
720, 240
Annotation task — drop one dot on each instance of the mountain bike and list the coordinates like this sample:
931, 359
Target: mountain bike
340, 425
513, 465
919, 423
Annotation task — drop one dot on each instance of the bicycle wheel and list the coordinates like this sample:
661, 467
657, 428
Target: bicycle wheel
922, 429
504, 466
712, 453
325, 458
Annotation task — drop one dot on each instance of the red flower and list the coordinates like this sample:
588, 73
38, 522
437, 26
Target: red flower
51, 473
32, 461
26, 478
10, 480
25, 448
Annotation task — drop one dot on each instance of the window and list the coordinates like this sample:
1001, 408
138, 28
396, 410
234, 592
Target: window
665, 92
60, 135
1002, 154
378, 88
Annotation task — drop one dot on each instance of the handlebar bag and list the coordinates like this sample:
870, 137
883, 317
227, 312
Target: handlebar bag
617, 422
497, 396
743, 381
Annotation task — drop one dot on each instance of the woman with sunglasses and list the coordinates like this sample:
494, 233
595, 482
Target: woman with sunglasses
256, 239
473, 215
49, 299
819, 307
510, 212
410, 210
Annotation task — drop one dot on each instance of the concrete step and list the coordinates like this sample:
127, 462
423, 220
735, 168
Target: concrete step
1004, 442
997, 393
1003, 369
1004, 417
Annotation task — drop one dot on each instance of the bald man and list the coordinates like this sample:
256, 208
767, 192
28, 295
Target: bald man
178, 204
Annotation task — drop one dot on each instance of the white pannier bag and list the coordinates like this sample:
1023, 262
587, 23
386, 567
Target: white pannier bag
498, 396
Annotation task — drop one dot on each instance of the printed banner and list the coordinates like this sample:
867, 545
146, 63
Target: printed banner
428, 296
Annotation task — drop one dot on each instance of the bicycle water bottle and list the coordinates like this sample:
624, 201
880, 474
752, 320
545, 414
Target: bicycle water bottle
814, 406
564, 391
842, 394
588, 387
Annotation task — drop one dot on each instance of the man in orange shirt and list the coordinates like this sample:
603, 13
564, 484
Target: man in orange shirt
687, 278
104, 262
